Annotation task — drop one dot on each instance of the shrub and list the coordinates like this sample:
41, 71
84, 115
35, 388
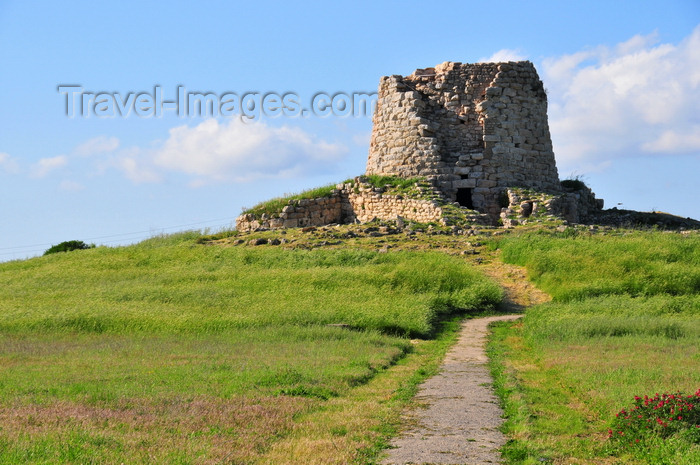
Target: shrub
660, 416
68, 246
573, 184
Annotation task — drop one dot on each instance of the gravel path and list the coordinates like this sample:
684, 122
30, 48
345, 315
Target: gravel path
460, 422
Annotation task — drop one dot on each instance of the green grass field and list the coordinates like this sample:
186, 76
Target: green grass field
180, 350
171, 351
624, 322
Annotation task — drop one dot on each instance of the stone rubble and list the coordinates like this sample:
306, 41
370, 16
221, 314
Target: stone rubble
573, 205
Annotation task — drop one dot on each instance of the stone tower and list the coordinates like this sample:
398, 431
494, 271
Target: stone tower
471, 129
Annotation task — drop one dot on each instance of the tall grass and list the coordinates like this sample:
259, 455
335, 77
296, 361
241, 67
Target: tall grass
625, 322
175, 285
395, 183
616, 316
170, 351
581, 266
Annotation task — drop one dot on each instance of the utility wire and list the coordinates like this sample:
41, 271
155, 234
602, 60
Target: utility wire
17, 249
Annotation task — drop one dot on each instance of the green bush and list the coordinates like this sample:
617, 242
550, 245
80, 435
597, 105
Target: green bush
574, 184
68, 246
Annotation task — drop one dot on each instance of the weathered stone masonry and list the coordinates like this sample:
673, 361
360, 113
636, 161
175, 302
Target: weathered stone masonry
350, 202
471, 129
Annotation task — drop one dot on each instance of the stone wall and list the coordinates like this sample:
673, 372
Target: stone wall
574, 205
349, 203
359, 202
471, 129
297, 214
365, 203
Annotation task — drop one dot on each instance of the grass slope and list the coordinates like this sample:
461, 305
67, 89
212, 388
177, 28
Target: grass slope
625, 321
170, 351
190, 288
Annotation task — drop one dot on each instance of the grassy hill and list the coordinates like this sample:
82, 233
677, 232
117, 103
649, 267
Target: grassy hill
173, 351
305, 347
624, 322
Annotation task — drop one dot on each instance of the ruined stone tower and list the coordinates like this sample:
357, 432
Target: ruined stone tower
477, 132
471, 129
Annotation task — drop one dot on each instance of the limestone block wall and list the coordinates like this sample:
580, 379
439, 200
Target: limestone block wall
368, 204
471, 129
575, 206
297, 214
361, 202
349, 203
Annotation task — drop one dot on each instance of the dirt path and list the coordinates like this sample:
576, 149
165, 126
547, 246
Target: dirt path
520, 293
459, 424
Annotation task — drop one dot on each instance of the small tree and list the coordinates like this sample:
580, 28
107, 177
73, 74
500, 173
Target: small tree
67, 246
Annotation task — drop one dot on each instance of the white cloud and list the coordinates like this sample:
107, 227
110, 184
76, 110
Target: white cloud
675, 141
96, 146
240, 151
70, 186
362, 139
46, 165
137, 166
612, 102
504, 55
8, 164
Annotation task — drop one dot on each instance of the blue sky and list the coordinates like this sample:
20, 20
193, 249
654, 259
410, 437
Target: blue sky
623, 80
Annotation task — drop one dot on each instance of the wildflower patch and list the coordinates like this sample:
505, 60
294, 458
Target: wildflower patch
661, 416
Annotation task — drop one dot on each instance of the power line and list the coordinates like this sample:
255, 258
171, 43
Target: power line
17, 249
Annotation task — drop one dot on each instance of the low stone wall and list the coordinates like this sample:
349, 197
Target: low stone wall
365, 207
363, 203
575, 206
297, 214
360, 202
349, 203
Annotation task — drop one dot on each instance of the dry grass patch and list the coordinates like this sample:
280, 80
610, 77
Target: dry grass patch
202, 430
356, 428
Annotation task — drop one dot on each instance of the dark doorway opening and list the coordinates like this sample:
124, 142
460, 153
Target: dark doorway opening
464, 198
